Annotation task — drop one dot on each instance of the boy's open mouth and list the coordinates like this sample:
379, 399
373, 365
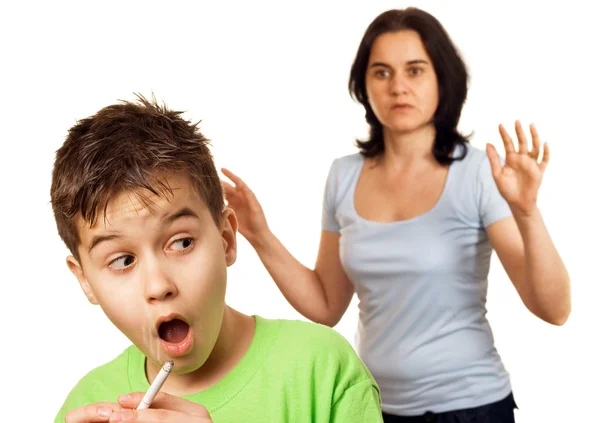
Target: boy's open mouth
175, 335
174, 331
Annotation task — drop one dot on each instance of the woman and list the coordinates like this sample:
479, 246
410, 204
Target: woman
409, 224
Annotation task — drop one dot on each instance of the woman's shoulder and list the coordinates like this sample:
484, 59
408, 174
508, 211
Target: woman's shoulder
343, 171
474, 162
348, 161
473, 155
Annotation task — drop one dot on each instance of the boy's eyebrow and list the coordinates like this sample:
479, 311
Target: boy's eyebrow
167, 219
101, 238
184, 212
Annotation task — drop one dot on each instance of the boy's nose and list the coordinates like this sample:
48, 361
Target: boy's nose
158, 285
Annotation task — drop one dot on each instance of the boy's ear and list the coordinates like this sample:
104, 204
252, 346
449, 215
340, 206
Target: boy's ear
77, 270
229, 225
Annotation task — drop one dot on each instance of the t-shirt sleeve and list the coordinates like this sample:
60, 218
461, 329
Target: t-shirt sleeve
77, 398
87, 391
360, 403
328, 219
102, 384
492, 206
60, 416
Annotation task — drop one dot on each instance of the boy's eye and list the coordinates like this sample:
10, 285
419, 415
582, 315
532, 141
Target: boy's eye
182, 244
122, 262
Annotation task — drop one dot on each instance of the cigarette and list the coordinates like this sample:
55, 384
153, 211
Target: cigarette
156, 385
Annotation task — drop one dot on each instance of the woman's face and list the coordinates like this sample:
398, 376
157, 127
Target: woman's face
401, 83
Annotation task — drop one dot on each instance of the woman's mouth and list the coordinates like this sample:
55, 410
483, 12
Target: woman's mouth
402, 107
176, 336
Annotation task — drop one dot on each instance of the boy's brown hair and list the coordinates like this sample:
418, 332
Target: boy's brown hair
127, 147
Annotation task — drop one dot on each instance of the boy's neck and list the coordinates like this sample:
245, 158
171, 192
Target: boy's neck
236, 335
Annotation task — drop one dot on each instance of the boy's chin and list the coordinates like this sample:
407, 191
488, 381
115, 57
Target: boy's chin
183, 364
189, 364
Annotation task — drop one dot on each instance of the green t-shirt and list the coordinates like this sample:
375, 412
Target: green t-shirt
294, 371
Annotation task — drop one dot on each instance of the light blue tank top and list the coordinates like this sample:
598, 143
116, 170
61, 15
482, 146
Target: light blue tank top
422, 286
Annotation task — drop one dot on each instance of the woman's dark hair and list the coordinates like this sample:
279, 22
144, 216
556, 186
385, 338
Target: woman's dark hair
450, 70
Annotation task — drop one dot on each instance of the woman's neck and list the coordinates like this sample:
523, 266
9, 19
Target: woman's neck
408, 149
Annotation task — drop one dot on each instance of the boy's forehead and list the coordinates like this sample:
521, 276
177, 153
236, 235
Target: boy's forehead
142, 204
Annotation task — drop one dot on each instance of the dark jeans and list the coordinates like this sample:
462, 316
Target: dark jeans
497, 412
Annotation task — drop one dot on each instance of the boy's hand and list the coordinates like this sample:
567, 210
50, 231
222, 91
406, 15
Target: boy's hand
165, 409
92, 413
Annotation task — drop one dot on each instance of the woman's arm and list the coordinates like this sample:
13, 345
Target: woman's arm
321, 294
534, 266
522, 242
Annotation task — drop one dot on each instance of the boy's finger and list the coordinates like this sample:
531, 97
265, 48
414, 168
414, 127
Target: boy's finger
92, 413
165, 401
158, 415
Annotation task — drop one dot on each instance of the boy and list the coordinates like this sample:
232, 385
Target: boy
138, 202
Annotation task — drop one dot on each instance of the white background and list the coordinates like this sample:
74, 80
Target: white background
269, 83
